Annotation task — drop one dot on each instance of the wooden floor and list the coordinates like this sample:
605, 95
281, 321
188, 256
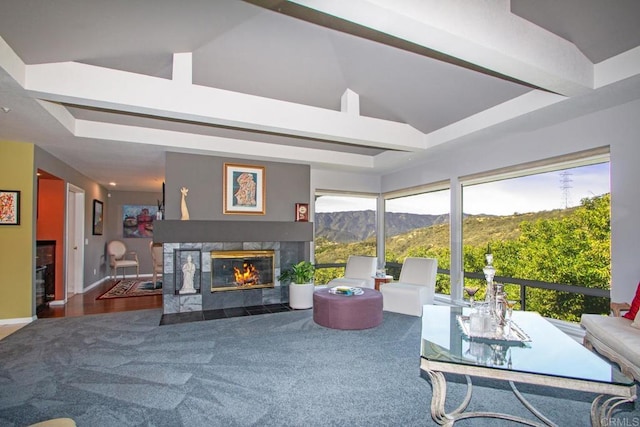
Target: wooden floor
81, 304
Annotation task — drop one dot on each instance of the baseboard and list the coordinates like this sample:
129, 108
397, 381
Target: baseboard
18, 320
57, 302
95, 284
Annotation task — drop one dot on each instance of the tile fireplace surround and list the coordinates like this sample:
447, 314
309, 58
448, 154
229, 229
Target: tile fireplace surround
289, 241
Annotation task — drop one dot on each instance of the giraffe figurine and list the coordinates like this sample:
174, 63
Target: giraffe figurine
183, 204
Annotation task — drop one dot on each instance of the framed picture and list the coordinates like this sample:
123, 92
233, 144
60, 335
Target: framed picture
244, 189
302, 212
98, 222
137, 220
9, 207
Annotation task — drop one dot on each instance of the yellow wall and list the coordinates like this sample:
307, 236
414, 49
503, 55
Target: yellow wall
17, 242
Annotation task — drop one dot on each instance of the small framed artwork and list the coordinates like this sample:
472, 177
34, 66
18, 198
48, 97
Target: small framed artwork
244, 189
98, 218
9, 207
302, 212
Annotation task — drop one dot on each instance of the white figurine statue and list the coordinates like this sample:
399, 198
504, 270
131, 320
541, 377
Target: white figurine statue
188, 271
183, 205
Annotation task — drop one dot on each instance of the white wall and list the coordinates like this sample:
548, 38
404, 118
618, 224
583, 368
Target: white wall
617, 127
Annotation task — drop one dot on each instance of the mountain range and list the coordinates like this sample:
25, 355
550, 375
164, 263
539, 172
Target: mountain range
353, 226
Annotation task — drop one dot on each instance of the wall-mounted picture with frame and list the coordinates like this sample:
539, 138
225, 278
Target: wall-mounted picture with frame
9, 207
244, 189
137, 220
98, 223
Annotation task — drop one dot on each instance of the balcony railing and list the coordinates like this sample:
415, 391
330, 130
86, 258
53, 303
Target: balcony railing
393, 269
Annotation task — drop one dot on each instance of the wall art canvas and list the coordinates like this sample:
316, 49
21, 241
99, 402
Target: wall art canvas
137, 220
244, 189
9, 207
98, 218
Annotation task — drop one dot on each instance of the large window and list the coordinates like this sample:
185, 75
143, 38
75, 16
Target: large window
417, 225
345, 224
551, 226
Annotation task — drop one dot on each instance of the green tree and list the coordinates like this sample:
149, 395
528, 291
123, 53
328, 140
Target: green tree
573, 250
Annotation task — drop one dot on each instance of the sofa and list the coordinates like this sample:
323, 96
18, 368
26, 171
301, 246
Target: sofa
614, 337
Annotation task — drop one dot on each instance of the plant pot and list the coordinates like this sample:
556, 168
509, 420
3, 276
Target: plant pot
301, 295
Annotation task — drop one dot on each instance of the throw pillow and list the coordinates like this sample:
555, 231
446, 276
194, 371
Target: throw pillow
635, 305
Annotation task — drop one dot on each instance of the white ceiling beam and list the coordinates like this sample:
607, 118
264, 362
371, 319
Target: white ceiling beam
350, 103
620, 67
183, 68
99, 87
214, 145
520, 106
483, 33
12, 63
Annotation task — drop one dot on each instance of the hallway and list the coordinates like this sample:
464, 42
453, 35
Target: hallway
86, 303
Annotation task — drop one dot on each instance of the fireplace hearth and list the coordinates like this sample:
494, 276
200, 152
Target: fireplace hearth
242, 270
290, 242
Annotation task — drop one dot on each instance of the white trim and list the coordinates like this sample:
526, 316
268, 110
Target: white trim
420, 189
342, 193
95, 284
17, 320
584, 158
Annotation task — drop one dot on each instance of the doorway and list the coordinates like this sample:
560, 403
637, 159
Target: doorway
74, 280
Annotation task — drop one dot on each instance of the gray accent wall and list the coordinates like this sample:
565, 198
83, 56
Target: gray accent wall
286, 185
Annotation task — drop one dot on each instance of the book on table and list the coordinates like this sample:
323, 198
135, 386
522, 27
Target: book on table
346, 290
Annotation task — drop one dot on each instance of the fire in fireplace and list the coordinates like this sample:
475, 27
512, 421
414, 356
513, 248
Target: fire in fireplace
239, 270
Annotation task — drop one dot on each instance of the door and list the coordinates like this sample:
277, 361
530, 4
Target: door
74, 281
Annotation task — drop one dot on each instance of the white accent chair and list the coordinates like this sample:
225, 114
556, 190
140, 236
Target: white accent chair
157, 259
119, 257
360, 272
415, 288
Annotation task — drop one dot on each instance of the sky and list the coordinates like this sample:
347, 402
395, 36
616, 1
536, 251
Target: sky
540, 192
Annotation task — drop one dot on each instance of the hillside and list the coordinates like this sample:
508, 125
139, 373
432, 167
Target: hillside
477, 230
355, 226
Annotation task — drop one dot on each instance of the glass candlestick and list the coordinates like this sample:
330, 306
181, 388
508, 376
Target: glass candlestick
471, 292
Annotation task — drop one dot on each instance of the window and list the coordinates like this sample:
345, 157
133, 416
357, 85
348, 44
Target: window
417, 225
550, 225
345, 224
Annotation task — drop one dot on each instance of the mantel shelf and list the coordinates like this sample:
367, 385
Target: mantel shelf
177, 231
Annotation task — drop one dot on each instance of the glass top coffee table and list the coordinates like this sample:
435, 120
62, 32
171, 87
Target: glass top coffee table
544, 356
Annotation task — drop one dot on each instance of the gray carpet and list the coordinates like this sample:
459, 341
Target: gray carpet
266, 370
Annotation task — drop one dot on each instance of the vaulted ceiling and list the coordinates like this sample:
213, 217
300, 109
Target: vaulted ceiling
365, 85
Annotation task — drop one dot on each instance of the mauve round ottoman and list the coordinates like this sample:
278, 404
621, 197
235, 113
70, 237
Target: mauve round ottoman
347, 312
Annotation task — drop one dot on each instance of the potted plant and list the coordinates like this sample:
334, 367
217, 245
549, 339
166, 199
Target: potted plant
300, 277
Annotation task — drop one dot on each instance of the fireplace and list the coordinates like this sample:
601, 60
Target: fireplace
241, 270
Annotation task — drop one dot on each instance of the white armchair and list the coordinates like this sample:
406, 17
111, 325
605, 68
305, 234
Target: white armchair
359, 272
119, 257
415, 288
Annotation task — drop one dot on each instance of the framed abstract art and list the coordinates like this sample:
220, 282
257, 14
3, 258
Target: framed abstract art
9, 207
244, 189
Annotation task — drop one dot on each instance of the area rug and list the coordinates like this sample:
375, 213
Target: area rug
132, 288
